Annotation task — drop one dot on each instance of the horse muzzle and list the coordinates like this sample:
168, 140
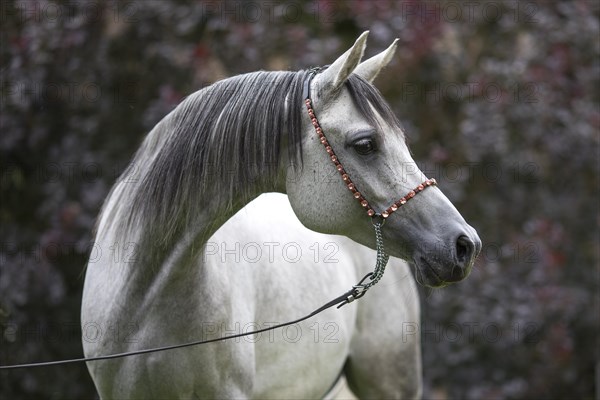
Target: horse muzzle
442, 264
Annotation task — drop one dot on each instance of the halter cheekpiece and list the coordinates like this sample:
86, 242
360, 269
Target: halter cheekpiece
378, 219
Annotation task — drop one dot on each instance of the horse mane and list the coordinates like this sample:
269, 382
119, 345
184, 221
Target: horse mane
218, 143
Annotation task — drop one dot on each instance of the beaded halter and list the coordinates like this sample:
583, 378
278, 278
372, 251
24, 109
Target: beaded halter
338, 165
378, 219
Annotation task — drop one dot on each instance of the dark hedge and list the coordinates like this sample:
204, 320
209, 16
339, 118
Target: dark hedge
501, 104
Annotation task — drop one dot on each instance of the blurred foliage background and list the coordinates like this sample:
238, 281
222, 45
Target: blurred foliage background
500, 100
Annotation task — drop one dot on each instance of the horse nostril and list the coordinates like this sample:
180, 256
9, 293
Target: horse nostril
464, 249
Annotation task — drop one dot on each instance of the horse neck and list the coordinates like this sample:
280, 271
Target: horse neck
155, 260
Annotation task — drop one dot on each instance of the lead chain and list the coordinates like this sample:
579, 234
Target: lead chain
382, 257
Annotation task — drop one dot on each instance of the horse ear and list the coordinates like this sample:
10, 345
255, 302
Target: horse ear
370, 68
330, 80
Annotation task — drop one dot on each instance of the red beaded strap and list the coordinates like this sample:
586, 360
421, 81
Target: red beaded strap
346, 178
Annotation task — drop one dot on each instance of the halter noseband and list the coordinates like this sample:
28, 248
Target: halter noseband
378, 219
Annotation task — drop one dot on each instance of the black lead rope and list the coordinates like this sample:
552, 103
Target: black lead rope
356, 292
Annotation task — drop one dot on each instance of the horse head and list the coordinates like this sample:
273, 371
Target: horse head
367, 139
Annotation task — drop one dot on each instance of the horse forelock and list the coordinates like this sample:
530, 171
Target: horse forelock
371, 104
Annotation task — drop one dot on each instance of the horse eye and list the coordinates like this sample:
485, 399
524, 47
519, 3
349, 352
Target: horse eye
364, 146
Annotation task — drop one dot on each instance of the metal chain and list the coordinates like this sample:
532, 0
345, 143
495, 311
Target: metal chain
382, 257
